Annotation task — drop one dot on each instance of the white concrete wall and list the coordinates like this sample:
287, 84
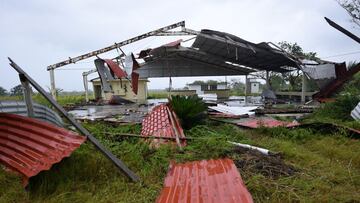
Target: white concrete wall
197, 88
254, 88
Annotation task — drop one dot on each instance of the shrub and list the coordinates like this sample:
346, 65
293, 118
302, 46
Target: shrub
190, 110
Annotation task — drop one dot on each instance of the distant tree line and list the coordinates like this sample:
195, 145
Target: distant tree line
15, 91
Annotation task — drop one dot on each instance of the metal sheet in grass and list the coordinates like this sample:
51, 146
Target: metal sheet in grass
29, 146
266, 122
204, 181
356, 112
162, 121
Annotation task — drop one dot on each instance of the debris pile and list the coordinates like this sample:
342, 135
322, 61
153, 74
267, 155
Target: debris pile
252, 161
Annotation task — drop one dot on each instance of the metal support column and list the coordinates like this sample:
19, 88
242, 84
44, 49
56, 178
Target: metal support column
267, 80
52, 83
27, 96
246, 89
86, 87
303, 88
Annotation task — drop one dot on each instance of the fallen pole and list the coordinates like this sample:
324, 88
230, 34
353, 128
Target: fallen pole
118, 163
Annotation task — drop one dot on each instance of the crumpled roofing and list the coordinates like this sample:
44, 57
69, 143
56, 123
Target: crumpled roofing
158, 123
29, 146
234, 49
204, 181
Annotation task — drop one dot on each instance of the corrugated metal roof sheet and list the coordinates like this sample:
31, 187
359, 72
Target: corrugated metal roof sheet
265, 122
41, 112
29, 146
204, 181
158, 123
356, 112
234, 49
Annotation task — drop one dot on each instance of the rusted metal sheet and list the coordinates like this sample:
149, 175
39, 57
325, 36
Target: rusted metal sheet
159, 123
115, 68
117, 162
135, 82
204, 181
29, 146
266, 122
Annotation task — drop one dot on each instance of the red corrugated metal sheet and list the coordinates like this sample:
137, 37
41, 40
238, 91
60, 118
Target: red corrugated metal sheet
266, 122
28, 145
158, 123
135, 82
115, 68
204, 181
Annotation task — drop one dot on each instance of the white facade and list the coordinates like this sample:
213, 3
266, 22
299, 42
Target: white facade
201, 88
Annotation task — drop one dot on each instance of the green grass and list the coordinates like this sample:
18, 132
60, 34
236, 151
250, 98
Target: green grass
157, 94
62, 99
328, 167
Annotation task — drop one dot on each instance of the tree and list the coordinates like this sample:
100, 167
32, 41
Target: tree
296, 50
352, 7
3, 91
16, 91
237, 86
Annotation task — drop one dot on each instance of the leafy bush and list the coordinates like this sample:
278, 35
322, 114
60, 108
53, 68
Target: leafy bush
190, 110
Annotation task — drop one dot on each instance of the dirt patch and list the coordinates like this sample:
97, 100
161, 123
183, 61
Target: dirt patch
271, 166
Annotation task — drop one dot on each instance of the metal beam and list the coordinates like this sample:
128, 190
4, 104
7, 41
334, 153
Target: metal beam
118, 163
343, 30
172, 33
27, 96
116, 45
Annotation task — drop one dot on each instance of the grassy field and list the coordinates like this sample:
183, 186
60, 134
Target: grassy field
326, 165
62, 99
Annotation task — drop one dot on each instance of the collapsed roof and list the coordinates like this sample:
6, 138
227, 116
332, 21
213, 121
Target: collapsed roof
214, 53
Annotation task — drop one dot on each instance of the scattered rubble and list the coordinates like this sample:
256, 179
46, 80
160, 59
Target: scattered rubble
252, 162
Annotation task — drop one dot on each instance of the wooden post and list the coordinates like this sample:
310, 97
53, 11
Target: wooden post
27, 96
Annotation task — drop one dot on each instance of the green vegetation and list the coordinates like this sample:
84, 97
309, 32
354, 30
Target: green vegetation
339, 110
152, 94
62, 99
327, 167
191, 110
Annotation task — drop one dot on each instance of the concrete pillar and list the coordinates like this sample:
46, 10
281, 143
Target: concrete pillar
52, 83
303, 88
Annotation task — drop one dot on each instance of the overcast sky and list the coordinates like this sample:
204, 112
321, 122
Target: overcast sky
37, 33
